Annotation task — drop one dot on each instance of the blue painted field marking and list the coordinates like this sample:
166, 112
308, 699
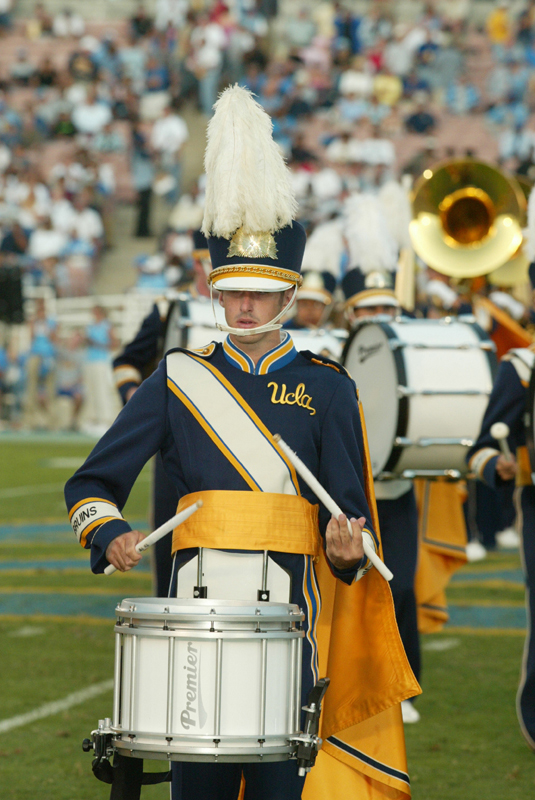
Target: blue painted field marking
71, 605
58, 564
474, 616
47, 532
509, 575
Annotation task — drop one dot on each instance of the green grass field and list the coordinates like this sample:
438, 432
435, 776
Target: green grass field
467, 746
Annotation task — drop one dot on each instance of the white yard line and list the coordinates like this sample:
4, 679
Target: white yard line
49, 709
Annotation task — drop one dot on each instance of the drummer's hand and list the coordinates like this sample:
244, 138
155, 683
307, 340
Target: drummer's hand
343, 550
506, 468
122, 551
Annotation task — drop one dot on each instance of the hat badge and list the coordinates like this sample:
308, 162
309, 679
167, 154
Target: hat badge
252, 245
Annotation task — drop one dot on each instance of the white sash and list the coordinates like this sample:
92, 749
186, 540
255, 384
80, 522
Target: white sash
231, 424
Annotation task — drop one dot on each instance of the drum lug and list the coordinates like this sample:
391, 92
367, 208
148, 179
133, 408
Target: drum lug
100, 743
309, 743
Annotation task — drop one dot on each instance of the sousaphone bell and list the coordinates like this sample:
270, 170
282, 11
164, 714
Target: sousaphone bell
467, 217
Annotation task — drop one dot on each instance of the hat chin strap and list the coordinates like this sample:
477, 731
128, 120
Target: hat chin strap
273, 325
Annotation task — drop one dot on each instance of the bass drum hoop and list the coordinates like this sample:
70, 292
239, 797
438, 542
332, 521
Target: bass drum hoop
401, 376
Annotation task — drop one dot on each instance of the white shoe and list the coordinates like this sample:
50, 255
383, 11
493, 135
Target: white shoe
508, 539
475, 551
408, 712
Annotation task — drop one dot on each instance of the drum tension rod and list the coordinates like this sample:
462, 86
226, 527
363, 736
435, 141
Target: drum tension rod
263, 593
200, 591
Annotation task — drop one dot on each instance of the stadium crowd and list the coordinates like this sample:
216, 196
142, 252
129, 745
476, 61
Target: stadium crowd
92, 115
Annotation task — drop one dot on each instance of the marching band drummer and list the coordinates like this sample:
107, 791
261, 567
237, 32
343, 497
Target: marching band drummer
210, 414
368, 295
159, 332
507, 404
313, 301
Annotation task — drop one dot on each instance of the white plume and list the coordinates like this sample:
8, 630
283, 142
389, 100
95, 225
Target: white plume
397, 206
529, 232
325, 247
248, 183
371, 245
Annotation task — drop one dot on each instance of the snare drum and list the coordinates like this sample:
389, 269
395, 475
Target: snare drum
191, 324
424, 387
324, 343
207, 680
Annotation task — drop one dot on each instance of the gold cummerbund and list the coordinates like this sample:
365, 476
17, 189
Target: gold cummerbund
523, 474
249, 521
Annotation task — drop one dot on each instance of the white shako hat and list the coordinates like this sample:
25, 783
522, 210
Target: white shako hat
255, 244
317, 286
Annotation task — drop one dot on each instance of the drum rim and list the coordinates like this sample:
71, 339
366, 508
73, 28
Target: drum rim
203, 609
403, 402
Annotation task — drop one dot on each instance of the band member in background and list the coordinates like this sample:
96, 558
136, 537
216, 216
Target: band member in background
161, 330
507, 404
313, 301
368, 295
210, 413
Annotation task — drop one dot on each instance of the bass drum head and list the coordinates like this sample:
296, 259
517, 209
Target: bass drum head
370, 361
325, 343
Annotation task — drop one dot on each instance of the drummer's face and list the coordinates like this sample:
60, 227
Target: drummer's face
251, 309
309, 312
372, 311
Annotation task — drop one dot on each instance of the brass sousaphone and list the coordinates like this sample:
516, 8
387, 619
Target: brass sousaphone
467, 217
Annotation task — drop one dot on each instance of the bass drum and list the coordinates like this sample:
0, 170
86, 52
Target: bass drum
190, 324
424, 386
325, 343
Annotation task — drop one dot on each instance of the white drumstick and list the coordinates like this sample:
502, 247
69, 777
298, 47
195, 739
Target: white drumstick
500, 432
325, 498
160, 532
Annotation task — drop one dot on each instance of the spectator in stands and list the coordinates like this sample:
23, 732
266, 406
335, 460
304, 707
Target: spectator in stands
398, 54
99, 407
170, 14
41, 369
425, 158
82, 64
63, 126
132, 59
70, 380
143, 174
168, 136
462, 97
205, 61
6, 7
41, 24
68, 24
499, 28
46, 74
347, 25
14, 239
421, 120
140, 23
108, 140
21, 71
86, 222
92, 116
516, 143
